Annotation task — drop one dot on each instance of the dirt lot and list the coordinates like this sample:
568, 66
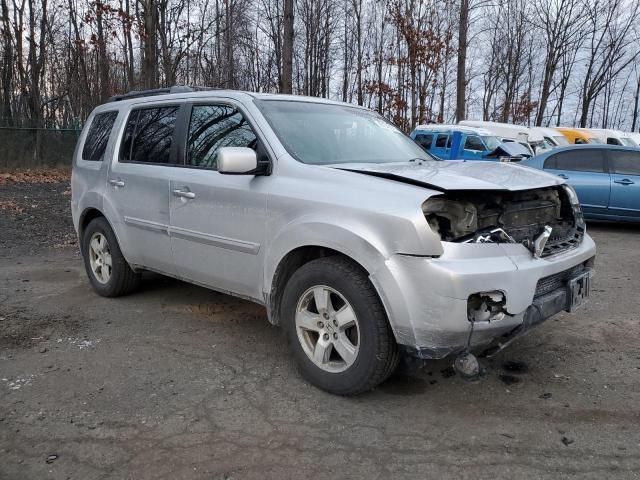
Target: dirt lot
179, 382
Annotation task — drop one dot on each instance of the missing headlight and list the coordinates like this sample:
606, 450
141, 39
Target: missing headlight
451, 218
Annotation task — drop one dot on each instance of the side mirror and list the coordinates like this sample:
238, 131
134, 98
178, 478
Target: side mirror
237, 161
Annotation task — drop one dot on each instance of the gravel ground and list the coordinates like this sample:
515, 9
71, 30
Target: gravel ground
180, 382
34, 218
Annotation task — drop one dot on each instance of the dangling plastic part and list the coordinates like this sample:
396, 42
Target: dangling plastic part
466, 364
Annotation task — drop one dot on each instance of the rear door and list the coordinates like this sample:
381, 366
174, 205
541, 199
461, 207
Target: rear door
624, 166
218, 221
586, 171
138, 186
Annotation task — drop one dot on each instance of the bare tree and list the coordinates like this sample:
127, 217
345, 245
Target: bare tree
609, 38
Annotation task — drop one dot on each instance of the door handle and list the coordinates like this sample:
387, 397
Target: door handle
116, 183
562, 175
624, 181
184, 194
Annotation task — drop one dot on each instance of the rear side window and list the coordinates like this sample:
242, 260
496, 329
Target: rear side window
424, 140
148, 135
213, 127
625, 163
98, 136
577, 160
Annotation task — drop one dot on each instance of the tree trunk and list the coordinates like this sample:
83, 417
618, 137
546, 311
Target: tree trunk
287, 48
7, 66
636, 98
461, 81
150, 61
103, 60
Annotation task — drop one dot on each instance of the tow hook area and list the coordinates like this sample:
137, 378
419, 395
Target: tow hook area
486, 307
481, 307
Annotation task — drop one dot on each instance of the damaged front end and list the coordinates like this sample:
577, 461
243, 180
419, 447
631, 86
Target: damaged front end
545, 220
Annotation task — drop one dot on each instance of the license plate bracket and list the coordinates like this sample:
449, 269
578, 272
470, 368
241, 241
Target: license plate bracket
578, 290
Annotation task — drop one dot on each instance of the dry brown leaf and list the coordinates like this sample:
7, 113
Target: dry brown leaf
11, 206
39, 175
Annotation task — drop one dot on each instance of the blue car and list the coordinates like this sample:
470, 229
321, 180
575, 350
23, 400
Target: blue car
606, 178
455, 142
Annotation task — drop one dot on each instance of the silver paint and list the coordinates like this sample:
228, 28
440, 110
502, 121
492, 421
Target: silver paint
236, 229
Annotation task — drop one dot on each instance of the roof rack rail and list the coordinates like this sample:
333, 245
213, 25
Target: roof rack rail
158, 91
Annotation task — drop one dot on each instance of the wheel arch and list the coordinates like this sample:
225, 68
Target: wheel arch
302, 245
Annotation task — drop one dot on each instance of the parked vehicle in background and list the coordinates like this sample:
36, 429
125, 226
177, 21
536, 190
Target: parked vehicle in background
611, 137
455, 142
506, 132
577, 136
360, 245
635, 136
605, 177
551, 136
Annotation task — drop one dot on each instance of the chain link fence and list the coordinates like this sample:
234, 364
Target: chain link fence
27, 147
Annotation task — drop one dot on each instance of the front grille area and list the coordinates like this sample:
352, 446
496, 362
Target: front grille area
507, 217
557, 280
570, 240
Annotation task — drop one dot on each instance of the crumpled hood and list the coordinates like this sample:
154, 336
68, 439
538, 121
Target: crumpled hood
511, 149
458, 175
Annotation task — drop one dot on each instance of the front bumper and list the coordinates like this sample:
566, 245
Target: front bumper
426, 298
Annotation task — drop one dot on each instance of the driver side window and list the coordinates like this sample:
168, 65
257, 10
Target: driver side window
213, 127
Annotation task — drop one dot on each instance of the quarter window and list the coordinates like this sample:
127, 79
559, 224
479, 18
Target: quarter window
625, 163
424, 140
213, 127
473, 142
586, 160
148, 135
98, 136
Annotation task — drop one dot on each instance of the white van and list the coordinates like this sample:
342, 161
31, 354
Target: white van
612, 137
533, 140
552, 137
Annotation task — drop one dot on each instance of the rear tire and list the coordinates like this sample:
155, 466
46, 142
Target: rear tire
337, 327
109, 273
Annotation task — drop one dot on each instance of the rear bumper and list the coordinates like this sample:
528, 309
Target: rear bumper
427, 298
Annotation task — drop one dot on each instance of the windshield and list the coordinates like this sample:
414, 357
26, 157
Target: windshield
491, 142
628, 142
324, 134
561, 140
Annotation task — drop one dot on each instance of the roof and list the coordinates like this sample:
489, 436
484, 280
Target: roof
586, 146
505, 130
440, 127
183, 92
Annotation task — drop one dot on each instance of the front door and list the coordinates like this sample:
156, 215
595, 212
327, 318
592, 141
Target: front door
585, 170
624, 166
138, 183
218, 221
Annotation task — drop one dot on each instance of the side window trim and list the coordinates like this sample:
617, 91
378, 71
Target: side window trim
204, 102
108, 139
610, 162
173, 152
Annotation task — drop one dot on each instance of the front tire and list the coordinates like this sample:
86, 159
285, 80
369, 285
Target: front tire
108, 271
337, 327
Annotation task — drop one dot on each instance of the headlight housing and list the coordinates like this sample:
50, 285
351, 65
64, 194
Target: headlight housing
575, 205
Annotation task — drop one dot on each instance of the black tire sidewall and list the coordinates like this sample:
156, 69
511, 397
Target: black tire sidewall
102, 226
369, 312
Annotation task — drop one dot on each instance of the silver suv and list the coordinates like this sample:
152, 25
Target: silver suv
360, 245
